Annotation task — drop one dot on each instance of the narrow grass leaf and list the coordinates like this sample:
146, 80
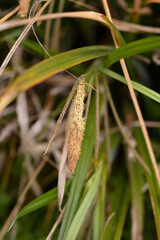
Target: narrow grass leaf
136, 183
137, 86
131, 49
47, 68
39, 202
116, 32
82, 211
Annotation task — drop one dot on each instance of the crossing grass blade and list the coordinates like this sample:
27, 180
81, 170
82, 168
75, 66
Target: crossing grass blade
39, 202
131, 49
137, 86
137, 209
47, 68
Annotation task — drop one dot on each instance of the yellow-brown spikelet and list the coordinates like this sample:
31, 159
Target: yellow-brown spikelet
76, 128
23, 8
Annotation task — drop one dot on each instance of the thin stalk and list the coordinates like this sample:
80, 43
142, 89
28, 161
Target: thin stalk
120, 125
49, 237
56, 32
88, 103
120, 25
62, 115
62, 170
48, 26
21, 37
85, 5
107, 133
136, 9
77, 14
9, 15
97, 119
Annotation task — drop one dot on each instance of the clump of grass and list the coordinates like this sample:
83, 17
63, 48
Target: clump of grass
106, 200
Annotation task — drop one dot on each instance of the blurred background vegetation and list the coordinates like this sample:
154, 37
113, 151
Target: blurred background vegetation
27, 123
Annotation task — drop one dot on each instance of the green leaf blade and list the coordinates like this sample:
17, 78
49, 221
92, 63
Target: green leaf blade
47, 68
82, 211
39, 202
133, 48
137, 86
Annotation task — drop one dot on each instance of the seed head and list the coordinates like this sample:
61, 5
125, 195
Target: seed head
23, 8
76, 128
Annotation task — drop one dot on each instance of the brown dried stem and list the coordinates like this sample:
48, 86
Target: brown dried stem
23, 34
88, 103
62, 115
62, 171
120, 25
48, 26
97, 119
49, 237
121, 127
9, 15
57, 26
107, 132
